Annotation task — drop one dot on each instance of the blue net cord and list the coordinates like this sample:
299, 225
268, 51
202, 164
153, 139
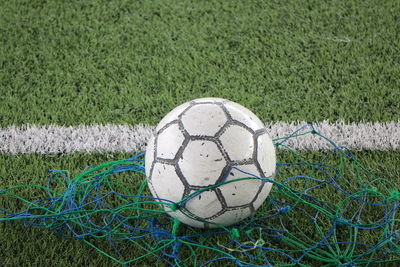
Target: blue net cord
326, 209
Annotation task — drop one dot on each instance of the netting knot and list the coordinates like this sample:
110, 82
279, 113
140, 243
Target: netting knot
284, 209
235, 233
395, 195
374, 190
344, 261
175, 248
174, 207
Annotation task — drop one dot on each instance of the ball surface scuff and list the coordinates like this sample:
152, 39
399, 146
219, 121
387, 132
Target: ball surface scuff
203, 143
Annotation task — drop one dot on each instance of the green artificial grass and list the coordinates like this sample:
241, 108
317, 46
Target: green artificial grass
86, 62
75, 62
38, 246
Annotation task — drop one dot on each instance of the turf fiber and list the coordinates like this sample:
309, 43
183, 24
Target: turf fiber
37, 246
132, 61
85, 62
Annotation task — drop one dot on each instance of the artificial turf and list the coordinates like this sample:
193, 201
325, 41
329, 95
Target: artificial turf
75, 62
39, 246
86, 62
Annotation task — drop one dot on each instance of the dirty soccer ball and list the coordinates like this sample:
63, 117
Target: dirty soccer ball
206, 142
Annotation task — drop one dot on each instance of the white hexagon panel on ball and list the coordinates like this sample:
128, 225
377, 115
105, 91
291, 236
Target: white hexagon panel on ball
209, 163
206, 144
204, 119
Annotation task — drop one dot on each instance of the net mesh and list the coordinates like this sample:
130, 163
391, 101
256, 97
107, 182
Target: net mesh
324, 209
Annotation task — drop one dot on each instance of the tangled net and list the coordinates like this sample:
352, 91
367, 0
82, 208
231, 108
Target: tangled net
328, 210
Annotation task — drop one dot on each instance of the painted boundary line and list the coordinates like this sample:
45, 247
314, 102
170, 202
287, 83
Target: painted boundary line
124, 138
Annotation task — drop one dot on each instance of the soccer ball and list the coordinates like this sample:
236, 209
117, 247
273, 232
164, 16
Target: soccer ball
203, 143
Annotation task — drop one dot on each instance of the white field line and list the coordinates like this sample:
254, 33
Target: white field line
124, 138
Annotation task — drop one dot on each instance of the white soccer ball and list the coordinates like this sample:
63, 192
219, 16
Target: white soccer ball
202, 143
